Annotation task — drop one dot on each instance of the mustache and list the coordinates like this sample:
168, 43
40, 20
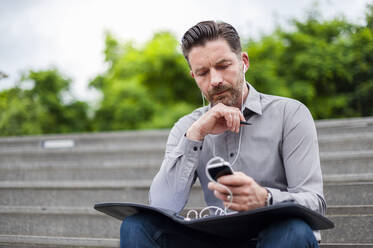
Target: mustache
218, 89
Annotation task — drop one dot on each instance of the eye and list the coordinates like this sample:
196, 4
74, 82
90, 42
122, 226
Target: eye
223, 66
202, 73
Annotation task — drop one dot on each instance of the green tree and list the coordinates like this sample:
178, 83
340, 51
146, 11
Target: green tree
41, 109
325, 64
144, 87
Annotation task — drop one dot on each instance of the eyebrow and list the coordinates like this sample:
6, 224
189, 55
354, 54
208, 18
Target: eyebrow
222, 61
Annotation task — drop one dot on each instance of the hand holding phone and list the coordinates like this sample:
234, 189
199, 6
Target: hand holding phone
217, 167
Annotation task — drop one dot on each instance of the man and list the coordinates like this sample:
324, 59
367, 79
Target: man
275, 159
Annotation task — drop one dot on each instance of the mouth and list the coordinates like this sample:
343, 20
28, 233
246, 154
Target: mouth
221, 92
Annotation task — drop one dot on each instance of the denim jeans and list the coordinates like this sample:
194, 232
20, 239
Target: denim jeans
145, 230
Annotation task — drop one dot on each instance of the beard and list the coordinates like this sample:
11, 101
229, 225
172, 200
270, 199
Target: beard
232, 95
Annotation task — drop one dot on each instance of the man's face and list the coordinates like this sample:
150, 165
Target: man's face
218, 72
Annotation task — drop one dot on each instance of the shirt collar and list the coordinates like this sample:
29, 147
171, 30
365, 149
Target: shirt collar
252, 101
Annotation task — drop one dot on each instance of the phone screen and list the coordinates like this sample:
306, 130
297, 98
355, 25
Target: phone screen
216, 172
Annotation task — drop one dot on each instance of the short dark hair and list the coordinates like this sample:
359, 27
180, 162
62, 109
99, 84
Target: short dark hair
205, 31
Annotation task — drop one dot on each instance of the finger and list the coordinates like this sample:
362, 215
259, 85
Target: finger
231, 122
237, 179
222, 196
237, 122
216, 187
233, 129
242, 118
228, 119
236, 206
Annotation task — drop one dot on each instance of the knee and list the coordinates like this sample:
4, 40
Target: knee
297, 229
133, 224
288, 233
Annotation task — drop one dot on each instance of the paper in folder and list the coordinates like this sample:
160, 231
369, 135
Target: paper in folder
242, 224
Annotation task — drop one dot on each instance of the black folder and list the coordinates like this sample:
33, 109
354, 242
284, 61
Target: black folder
241, 224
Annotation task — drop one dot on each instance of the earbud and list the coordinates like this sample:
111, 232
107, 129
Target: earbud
244, 68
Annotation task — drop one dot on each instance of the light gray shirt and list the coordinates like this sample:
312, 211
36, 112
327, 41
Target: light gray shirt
279, 151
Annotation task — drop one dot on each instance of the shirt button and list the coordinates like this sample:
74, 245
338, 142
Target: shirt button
195, 148
232, 154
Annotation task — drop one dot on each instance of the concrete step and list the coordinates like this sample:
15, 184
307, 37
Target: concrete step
115, 167
345, 245
57, 221
86, 222
81, 157
350, 229
329, 142
109, 170
102, 140
341, 126
24, 241
329, 131
29, 241
354, 189
349, 189
346, 142
81, 193
351, 162
353, 225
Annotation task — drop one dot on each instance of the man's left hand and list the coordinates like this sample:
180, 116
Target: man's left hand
247, 194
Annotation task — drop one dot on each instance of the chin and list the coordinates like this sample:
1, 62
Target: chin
227, 102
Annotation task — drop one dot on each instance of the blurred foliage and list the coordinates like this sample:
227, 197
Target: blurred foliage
144, 87
41, 109
326, 64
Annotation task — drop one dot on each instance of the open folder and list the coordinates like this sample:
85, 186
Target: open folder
241, 224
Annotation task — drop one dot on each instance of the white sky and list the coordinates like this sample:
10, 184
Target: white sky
69, 34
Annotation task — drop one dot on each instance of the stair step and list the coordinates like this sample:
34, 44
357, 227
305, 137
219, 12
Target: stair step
347, 162
346, 142
349, 189
119, 170
93, 141
112, 157
341, 126
57, 221
349, 229
330, 142
119, 167
28, 241
338, 189
80, 193
345, 245
87, 222
349, 210
24, 241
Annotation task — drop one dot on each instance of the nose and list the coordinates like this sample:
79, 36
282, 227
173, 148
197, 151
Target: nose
215, 78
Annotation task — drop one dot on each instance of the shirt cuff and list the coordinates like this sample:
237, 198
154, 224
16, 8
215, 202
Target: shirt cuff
191, 151
278, 195
190, 148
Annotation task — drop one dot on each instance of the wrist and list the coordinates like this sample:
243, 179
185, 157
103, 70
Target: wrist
194, 133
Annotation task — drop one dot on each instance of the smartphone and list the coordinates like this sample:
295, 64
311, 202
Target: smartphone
218, 168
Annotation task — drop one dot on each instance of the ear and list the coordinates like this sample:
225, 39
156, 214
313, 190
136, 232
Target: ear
245, 60
191, 74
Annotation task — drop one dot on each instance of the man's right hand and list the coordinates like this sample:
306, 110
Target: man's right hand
218, 119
